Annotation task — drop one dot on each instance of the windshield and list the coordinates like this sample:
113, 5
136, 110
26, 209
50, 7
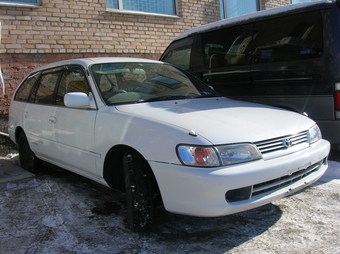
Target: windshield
122, 83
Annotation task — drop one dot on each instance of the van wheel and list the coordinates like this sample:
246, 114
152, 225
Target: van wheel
27, 158
138, 192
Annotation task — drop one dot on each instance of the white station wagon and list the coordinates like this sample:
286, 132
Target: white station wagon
154, 131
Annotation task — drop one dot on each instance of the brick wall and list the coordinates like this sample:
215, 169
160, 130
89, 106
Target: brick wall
268, 4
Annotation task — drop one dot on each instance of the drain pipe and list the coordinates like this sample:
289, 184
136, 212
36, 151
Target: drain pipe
4, 134
1, 78
2, 84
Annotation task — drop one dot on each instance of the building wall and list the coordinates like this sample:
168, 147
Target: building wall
61, 29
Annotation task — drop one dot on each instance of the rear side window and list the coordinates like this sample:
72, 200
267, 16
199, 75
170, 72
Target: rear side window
225, 47
288, 38
179, 53
45, 89
24, 90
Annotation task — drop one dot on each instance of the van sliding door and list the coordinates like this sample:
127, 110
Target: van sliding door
287, 65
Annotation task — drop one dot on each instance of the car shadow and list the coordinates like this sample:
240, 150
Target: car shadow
200, 234
222, 233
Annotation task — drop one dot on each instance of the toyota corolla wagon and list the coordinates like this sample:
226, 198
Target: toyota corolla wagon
158, 133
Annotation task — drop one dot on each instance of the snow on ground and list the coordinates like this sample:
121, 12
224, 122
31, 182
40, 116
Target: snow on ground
60, 212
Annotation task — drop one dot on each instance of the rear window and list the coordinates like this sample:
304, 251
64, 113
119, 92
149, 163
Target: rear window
45, 89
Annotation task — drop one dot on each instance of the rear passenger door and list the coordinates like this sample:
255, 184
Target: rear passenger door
37, 114
73, 128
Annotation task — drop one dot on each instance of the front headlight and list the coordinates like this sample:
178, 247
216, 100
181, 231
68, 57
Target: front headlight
314, 134
214, 156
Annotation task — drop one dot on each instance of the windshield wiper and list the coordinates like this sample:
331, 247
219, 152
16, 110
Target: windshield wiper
165, 98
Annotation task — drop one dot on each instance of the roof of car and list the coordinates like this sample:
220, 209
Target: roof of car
89, 61
264, 14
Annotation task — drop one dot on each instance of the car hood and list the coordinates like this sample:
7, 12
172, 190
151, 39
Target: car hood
221, 120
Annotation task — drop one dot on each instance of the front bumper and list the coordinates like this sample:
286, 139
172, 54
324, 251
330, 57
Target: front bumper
202, 191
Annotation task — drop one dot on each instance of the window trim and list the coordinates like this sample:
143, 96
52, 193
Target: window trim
21, 4
298, 2
224, 5
120, 10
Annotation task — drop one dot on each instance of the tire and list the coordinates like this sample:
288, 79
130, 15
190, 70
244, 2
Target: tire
138, 186
27, 158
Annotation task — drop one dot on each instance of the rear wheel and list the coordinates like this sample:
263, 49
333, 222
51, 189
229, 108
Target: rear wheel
27, 158
138, 185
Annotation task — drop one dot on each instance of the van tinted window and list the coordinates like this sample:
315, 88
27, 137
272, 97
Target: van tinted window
179, 54
288, 38
231, 46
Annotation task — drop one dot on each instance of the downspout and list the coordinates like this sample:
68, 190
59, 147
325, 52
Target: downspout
1, 78
2, 84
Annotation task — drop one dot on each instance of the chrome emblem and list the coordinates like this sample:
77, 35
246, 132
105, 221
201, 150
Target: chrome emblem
287, 142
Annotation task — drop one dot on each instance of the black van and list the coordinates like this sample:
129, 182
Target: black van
287, 57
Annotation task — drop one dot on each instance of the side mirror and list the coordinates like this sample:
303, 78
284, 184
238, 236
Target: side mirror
79, 100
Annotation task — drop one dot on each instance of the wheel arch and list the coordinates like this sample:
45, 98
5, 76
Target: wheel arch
18, 131
113, 168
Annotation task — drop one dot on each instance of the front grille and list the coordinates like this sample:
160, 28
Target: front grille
276, 144
285, 180
247, 193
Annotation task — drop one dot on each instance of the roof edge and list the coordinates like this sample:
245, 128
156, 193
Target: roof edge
263, 14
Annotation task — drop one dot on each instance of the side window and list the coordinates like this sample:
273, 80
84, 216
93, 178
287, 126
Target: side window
288, 38
24, 90
72, 80
225, 47
179, 53
45, 89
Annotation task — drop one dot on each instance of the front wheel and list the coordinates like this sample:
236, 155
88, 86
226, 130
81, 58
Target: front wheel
27, 158
138, 185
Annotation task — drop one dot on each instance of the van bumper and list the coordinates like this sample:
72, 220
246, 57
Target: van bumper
330, 131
